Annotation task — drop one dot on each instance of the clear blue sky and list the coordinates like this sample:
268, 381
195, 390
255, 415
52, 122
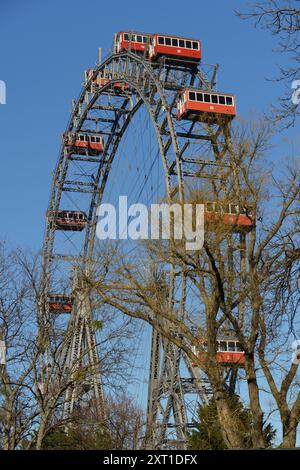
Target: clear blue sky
44, 48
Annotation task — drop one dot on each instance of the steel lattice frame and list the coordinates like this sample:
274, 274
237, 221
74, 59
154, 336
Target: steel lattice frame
154, 86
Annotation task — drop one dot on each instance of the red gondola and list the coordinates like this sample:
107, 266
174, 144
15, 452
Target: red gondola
205, 106
175, 47
60, 303
67, 220
104, 79
240, 219
84, 143
229, 352
130, 41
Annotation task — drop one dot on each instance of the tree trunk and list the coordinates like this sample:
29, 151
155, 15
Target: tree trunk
8, 426
257, 414
228, 424
6, 441
289, 430
41, 431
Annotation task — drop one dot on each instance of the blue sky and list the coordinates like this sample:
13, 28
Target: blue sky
44, 48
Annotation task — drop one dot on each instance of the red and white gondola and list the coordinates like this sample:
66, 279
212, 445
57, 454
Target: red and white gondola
131, 41
83, 143
60, 303
238, 218
229, 352
67, 220
175, 47
205, 106
103, 79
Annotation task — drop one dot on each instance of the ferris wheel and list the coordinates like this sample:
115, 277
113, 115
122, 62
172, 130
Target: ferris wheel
147, 121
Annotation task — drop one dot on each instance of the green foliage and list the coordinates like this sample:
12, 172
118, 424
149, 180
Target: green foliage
85, 431
97, 325
208, 436
80, 374
77, 438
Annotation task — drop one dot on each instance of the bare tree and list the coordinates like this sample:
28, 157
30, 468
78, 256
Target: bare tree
123, 431
35, 378
18, 412
126, 422
282, 19
231, 284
